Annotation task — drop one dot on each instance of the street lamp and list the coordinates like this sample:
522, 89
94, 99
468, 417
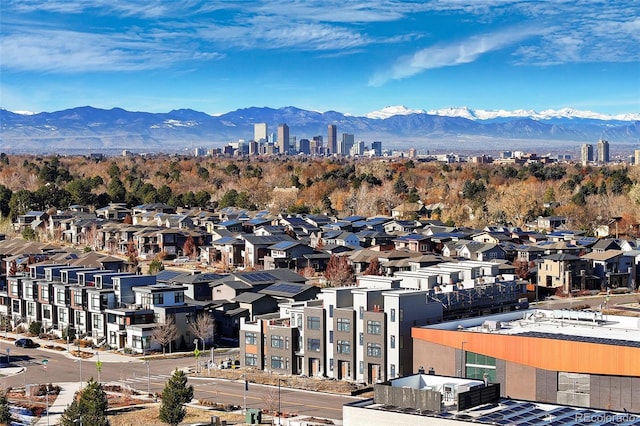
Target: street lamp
148, 377
46, 385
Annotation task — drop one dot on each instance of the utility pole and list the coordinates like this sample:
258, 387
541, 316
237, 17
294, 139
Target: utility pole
46, 385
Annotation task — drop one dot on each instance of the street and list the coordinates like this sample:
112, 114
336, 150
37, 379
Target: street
153, 377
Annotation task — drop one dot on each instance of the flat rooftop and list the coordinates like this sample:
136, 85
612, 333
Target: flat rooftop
563, 324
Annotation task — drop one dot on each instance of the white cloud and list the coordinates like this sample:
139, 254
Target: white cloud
451, 54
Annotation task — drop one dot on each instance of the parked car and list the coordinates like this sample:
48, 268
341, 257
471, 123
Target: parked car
26, 343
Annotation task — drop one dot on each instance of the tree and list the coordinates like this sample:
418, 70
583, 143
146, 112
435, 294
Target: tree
155, 266
90, 406
373, 268
203, 326
165, 333
176, 393
5, 414
339, 272
189, 247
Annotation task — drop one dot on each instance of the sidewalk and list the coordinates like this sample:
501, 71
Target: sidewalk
57, 407
104, 356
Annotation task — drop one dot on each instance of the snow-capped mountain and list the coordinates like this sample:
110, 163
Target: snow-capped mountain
88, 128
549, 114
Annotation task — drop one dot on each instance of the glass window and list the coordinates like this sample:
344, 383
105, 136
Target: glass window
313, 345
251, 359
330, 311
77, 298
393, 342
97, 321
361, 339
45, 292
330, 364
374, 327
30, 309
46, 312
62, 314
250, 338
393, 370
277, 342
95, 302
313, 323
80, 318
158, 299
361, 312
330, 336
343, 347
178, 297
344, 324
393, 315
361, 367
374, 350
277, 362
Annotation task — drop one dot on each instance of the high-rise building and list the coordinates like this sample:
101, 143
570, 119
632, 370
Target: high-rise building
260, 132
332, 139
283, 138
603, 151
304, 146
316, 146
586, 153
377, 148
344, 148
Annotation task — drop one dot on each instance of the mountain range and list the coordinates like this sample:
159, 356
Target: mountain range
91, 129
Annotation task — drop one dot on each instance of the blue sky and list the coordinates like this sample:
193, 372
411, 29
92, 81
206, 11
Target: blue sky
350, 56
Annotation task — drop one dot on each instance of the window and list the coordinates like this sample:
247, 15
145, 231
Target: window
393, 342
361, 312
374, 327
46, 312
30, 309
361, 367
313, 323
277, 342
330, 311
477, 365
344, 324
178, 297
112, 338
136, 342
250, 338
95, 302
80, 318
97, 321
393, 315
361, 339
330, 336
45, 292
330, 364
374, 350
60, 295
29, 289
277, 362
251, 359
16, 306
77, 298
401, 315
313, 345
158, 299
62, 314
14, 289
393, 370
344, 347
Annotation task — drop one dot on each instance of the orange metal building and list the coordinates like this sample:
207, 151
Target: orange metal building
582, 362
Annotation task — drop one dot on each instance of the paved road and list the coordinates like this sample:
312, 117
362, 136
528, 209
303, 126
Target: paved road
136, 375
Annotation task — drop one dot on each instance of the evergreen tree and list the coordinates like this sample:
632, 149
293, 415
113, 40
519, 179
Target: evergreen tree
176, 393
5, 414
90, 406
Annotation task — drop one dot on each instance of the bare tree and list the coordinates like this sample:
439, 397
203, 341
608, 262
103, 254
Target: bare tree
203, 326
165, 333
339, 272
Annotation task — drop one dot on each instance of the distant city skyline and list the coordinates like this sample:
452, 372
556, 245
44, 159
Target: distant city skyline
354, 57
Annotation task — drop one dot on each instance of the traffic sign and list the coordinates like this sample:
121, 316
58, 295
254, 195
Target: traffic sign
196, 352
